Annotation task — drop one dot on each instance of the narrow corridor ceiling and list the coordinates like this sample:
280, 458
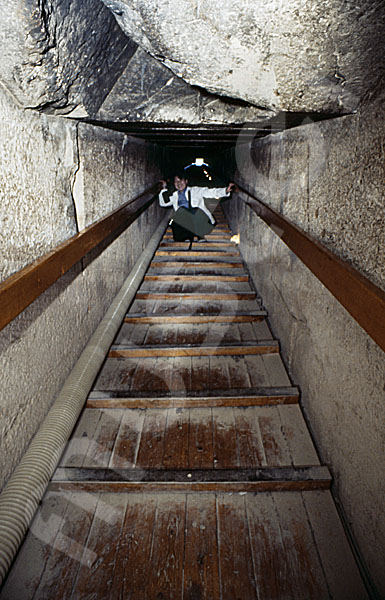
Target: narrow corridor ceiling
193, 71
209, 137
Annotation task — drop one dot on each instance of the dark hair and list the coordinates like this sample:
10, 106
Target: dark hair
180, 174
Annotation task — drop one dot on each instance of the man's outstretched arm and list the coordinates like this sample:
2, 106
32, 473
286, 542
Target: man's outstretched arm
164, 194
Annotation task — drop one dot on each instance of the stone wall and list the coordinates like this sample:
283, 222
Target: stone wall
57, 177
328, 178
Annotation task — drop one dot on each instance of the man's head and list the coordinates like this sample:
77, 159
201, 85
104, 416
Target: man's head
180, 181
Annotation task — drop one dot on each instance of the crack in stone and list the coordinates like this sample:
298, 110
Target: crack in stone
294, 317
75, 181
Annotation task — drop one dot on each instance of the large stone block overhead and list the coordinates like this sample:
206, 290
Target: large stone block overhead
292, 55
70, 57
147, 91
61, 56
186, 61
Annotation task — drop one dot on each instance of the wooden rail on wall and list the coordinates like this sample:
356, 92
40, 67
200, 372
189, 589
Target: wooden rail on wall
22, 288
362, 299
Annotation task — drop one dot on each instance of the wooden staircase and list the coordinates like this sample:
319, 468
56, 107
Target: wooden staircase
191, 472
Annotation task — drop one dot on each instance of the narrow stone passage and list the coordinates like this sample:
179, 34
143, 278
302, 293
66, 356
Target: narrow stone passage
191, 472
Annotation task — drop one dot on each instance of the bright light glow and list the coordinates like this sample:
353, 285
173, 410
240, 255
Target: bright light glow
199, 162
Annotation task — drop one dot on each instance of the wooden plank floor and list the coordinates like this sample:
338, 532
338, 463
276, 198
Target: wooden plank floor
191, 473
189, 438
149, 546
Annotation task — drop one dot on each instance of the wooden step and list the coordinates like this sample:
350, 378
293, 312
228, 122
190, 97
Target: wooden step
191, 286
262, 347
174, 306
202, 318
253, 437
186, 374
195, 296
191, 269
197, 278
219, 231
188, 264
192, 254
193, 480
220, 240
205, 245
218, 227
244, 398
225, 236
133, 334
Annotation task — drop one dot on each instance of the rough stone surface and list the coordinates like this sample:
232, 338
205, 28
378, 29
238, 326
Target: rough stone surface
61, 56
38, 158
149, 91
327, 188
110, 171
294, 55
40, 346
66, 57
328, 177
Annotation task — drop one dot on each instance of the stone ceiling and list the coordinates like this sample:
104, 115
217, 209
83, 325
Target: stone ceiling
294, 55
205, 65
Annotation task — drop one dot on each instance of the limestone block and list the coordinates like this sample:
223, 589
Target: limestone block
327, 177
353, 222
108, 163
150, 92
294, 55
72, 58
61, 55
38, 159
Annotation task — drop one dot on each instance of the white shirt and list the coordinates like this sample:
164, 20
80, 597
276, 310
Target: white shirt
198, 194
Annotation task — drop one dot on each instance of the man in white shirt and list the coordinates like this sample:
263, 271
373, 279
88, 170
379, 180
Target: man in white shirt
190, 199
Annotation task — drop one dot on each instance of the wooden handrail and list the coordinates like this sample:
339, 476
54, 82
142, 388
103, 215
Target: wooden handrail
22, 288
362, 299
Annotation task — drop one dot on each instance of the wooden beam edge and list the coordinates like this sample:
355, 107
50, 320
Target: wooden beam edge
147, 352
221, 487
192, 278
203, 318
197, 265
195, 296
292, 397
